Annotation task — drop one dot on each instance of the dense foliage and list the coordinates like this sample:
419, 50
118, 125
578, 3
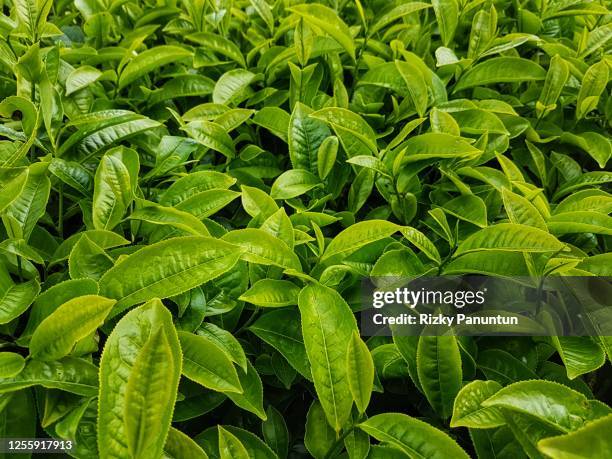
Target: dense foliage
193, 191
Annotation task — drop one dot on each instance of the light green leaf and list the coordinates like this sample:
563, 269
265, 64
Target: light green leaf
230, 447
231, 85
360, 372
319, 437
521, 211
439, 370
263, 248
16, 298
166, 269
271, 293
356, 135
168, 216
139, 374
501, 70
281, 329
74, 320
293, 183
467, 410
396, 13
326, 156
554, 404
114, 183
580, 354
413, 437
593, 84
421, 242
305, 137
510, 237
327, 327
226, 341
207, 364
211, 135
150, 60
11, 364
326, 19
358, 235
251, 397
149, 395
68, 374
179, 446
592, 440
81, 78
447, 15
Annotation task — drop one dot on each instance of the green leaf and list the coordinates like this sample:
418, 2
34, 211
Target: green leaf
439, 370
319, 437
413, 437
166, 269
580, 354
467, 410
358, 235
325, 18
355, 134
447, 15
230, 447
81, 78
211, 135
274, 119
271, 293
76, 319
293, 183
218, 44
554, 404
592, 440
556, 77
139, 374
31, 203
326, 156
521, 211
251, 397
178, 446
69, 374
231, 85
415, 82
16, 298
422, 242
226, 341
360, 372
396, 13
281, 329
149, 60
114, 183
149, 395
433, 145
580, 222
593, 84
503, 367
194, 183
510, 237
327, 325
275, 431
468, 207
263, 248
11, 364
207, 364
501, 70
305, 136
168, 216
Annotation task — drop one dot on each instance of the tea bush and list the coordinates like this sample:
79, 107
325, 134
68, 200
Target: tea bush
192, 193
